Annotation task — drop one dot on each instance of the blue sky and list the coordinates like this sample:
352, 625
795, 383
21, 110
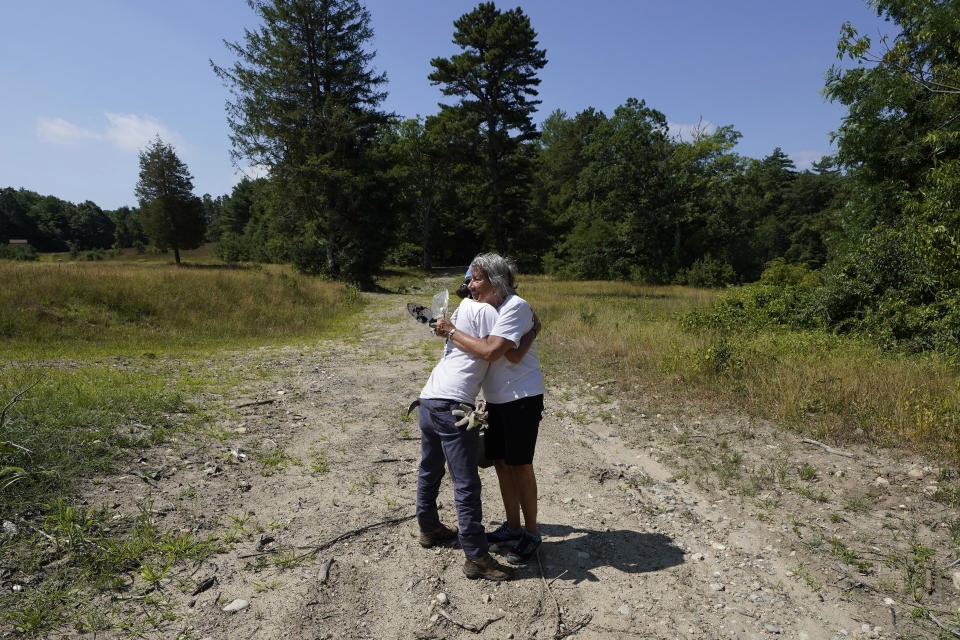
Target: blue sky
84, 85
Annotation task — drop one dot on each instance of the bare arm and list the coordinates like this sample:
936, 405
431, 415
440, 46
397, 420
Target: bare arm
490, 348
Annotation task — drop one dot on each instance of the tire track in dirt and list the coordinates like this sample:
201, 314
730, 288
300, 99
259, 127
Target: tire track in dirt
628, 548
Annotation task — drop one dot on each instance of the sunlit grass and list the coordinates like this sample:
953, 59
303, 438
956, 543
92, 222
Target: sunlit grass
56, 309
839, 388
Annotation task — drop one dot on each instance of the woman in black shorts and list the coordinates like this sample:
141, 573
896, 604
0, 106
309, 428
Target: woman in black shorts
513, 388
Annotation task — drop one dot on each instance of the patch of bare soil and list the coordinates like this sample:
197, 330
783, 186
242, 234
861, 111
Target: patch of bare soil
655, 525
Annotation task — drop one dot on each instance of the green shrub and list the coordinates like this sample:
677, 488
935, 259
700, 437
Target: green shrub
22, 252
405, 254
232, 247
709, 272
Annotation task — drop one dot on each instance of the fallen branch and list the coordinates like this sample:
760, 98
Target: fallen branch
203, 586
349, 534
953, 632
117, 598
558, 577
623, 632
393, 460
43, 533
467, 626
3, 414
953, 564
828, 449
561, 631
256, 403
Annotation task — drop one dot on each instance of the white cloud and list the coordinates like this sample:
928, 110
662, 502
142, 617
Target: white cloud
687, 132
131, 132
125, 131
805, 159
251, 173
59, 131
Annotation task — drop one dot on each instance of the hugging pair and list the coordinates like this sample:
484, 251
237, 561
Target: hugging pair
489, 346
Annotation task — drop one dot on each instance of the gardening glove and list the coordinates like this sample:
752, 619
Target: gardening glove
470, 417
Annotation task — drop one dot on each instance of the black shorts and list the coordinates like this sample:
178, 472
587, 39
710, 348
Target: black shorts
512, 435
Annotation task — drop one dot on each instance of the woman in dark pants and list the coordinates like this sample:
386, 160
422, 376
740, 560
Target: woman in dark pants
513, 388
455, 381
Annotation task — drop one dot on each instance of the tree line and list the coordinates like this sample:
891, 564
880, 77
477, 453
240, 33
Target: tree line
350, 187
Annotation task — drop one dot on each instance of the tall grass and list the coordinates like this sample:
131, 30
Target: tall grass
833, 387
72, 410
55, 309
59, 320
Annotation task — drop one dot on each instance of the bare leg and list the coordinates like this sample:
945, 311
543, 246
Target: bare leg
508, 492
525, 488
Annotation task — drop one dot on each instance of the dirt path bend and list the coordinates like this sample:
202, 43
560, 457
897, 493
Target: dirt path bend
323, 449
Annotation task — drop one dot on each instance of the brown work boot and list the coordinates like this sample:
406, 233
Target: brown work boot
441, 534
486, 567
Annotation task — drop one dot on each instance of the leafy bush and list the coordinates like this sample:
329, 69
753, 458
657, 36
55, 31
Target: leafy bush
23, 252
232, 247
405, 254
309, 257
882, 288
708, 272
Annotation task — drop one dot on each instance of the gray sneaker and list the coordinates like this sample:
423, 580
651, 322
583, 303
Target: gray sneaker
486, 567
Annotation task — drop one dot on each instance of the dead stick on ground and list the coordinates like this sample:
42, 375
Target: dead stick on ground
466, 626
350, 534
254, 404
952, 632
827, 448
560, 632
43, 533
558, 577
3, 414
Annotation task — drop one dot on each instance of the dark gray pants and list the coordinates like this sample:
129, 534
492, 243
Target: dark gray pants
441, 440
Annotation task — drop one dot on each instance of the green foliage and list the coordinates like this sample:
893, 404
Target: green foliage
22, 252
431, 166
779, 299
708, 272
69, 425
51, 224
627, 201
311, 121
895, 274
97, 551
56, 310
171, 216
495, 77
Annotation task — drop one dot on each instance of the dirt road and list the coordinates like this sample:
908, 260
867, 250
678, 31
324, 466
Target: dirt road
312, 484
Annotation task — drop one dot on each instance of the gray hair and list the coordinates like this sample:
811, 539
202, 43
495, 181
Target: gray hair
502, 272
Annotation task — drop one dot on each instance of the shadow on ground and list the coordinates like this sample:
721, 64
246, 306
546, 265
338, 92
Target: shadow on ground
581, 551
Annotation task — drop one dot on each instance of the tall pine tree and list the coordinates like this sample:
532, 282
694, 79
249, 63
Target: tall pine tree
305, 107
495, 78
171, 216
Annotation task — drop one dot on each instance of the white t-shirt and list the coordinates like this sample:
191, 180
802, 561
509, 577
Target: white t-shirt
458, 374
506, 381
